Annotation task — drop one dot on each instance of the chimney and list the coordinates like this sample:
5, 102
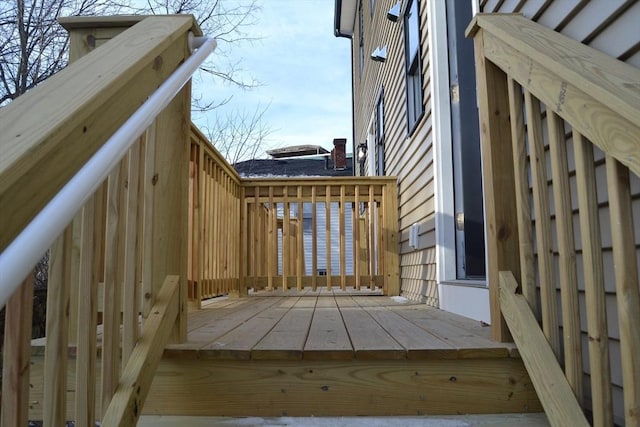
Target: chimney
338, 153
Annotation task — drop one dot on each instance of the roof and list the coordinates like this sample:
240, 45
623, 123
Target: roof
344, 17
297, 166
297, 150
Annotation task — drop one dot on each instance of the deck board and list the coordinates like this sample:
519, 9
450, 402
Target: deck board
332, 325
287, 339
419, 343
328, 338
467, 342
238, 342
369, 339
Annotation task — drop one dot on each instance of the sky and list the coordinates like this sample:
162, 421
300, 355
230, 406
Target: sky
304, 71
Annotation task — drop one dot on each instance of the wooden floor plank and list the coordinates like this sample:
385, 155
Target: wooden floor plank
221, 322
287, 339
419, 344
238, 342
469, 344
328, 338
369, 339
215, 310
313, 328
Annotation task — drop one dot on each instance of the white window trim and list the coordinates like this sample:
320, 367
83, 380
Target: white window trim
443, 164
467, 299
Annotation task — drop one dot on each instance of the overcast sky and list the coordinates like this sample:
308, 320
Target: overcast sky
305, 74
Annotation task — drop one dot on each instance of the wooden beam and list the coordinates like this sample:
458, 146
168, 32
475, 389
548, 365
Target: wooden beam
571, 332
55, 378
171, 186
50, 132
391, 249
269, 388
91, 237
127, 403
554, 391
544, 242
501, 222
523, 207
627, 290
597, 94
17, 355
594, 290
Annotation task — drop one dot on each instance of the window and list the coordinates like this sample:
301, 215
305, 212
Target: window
413, 64
372, 6
375, 140
379, 135
361, 37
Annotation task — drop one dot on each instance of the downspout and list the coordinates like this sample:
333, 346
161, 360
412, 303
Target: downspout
338, 33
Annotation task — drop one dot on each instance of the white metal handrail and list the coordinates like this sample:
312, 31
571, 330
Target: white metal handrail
18, 259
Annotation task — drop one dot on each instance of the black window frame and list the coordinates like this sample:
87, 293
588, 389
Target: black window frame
413, 64
360, 39
379, 135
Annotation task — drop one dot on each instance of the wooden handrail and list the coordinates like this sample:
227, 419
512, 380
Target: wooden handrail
599, 96
50, 132
539, 94
130, 234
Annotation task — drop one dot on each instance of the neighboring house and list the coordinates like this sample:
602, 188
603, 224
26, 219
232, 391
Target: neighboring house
300, 160
308, 161
416, 117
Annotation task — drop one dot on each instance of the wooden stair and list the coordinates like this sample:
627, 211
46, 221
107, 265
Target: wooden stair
333, 354
329, 354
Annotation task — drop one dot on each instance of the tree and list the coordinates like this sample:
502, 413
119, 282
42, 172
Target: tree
239, 135
33, 47
32, 44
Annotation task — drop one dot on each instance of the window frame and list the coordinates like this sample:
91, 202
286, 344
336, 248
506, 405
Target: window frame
413, 66
360, 38
379, 134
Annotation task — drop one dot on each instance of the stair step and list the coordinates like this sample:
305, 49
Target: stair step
493, 420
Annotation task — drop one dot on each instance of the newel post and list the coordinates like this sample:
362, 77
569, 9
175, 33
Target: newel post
166, 171
501, 226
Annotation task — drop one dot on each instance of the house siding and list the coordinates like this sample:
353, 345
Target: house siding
611, 27
407, 156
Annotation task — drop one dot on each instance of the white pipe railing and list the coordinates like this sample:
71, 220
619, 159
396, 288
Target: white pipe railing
19, 258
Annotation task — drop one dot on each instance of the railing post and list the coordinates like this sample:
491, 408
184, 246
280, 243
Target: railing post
16, 356
242, 255
391, 250
498, 180
170, 163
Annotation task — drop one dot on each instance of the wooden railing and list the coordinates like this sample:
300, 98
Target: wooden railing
288, 232
561, 152
214, 222
114, 292
315, 232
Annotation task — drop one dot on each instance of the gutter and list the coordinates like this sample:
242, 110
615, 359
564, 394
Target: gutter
337, 17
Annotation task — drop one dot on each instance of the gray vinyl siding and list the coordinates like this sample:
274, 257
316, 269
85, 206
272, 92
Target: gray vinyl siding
408, 157
610, 26
321, 239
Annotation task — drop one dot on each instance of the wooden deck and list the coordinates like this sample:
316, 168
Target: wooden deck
332, 325
336, 354
303, 354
